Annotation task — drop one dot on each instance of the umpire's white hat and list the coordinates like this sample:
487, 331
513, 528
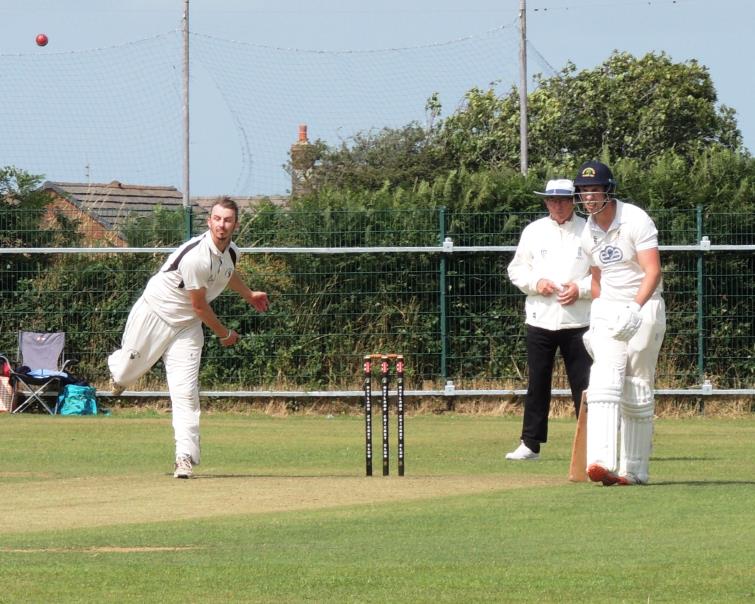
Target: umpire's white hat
562, 187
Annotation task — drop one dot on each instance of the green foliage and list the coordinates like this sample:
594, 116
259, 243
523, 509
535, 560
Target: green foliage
485, 133
26, 220
162, 227
397, 157
18, 228
88, 297
717, 178
626, 107
328, 309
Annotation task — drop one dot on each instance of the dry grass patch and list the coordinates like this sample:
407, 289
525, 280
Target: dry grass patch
123, 500
505, 406
108, 549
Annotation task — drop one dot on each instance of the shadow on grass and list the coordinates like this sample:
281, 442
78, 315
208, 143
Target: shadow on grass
298, 476
700, 483
683, 458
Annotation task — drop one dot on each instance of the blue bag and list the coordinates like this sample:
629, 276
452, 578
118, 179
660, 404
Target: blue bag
77, 400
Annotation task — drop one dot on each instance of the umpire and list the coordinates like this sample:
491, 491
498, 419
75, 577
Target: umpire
552, 270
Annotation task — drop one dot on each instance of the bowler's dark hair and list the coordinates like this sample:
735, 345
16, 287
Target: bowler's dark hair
227, 203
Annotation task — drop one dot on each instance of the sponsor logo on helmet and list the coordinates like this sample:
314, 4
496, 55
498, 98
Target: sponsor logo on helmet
610, 254
588, 172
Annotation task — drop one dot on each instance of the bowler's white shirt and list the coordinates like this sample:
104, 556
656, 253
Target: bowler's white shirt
203, 265
548, 250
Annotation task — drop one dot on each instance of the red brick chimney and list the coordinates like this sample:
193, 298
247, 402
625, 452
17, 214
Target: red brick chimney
302, 164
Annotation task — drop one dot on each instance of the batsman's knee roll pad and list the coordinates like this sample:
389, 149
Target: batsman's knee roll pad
638, 400
606, 383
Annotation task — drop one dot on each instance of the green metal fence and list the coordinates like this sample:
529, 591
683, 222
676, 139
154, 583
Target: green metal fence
430, 284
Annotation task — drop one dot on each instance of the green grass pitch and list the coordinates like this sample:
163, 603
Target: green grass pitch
281, 512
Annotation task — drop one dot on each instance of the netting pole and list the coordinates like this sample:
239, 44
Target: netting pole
523, 142
185, 187
442, 302
700, 297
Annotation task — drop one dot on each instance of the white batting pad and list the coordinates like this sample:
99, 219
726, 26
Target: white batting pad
607, 371
637, 408
602, 437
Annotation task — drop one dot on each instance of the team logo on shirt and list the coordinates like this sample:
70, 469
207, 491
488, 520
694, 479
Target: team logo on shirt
610, 254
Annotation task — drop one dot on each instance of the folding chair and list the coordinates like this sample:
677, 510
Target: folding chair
40, 369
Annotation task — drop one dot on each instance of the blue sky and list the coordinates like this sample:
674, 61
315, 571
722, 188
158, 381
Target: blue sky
717, 34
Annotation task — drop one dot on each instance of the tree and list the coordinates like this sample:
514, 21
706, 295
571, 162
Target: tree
398, 157
27, 221
626, 107
21, 208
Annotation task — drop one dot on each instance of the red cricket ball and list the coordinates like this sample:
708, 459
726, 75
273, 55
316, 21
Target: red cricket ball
42, 40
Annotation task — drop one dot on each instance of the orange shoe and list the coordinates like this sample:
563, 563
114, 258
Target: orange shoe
598, 473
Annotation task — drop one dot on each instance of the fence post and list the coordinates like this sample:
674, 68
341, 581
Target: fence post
700, 296
188, 222
442, 301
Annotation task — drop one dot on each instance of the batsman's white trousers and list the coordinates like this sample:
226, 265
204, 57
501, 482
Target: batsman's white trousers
637, 357
145, 340
614, 363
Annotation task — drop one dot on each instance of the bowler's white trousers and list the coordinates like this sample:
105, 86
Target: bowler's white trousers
145, 340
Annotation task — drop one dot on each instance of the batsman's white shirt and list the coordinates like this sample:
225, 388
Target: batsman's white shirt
548, 250
195, 264
614, 251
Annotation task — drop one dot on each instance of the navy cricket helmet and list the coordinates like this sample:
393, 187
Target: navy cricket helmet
595, 173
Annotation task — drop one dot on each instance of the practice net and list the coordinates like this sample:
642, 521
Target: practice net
116, 113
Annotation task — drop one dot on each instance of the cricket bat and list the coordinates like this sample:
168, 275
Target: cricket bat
577, 469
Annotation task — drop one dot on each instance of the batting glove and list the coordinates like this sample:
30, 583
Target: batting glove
628, 322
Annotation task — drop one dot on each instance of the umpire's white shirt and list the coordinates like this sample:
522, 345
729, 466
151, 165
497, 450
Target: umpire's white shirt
195, 264
548, 250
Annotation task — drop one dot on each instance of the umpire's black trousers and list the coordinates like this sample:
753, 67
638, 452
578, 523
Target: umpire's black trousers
541, 355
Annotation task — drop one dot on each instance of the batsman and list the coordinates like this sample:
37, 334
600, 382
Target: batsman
627, 325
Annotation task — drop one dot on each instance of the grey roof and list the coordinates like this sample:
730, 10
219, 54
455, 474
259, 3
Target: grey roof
244, 202
110, 203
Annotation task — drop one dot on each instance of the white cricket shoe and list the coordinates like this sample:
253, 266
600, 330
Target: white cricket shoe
523, 453
116, 388
183, 467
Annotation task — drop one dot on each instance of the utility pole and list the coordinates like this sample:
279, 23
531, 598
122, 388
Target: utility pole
523, 138
186, 178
